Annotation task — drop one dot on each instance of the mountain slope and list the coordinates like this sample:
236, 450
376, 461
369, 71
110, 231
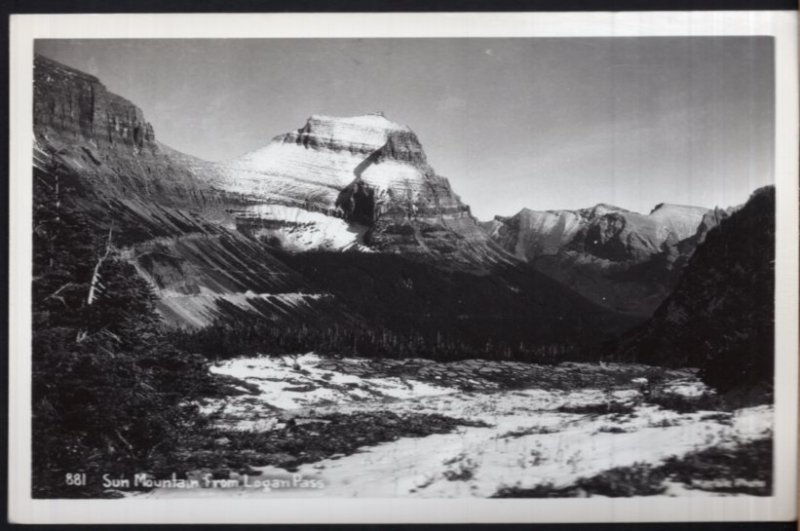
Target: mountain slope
721, 315
620, 259
97, 153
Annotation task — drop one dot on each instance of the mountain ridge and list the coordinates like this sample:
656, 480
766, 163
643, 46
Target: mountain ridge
622, 259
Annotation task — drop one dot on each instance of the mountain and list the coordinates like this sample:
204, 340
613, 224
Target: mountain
107, 139
605, 231
359, 182
720, 316
620, 259
340, 229
100, 157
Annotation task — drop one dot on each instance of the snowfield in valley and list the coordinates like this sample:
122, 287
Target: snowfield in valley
537, 436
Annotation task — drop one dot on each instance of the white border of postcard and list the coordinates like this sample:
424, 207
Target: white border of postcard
779, 507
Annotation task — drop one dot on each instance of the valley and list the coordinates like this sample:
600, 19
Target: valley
328, 306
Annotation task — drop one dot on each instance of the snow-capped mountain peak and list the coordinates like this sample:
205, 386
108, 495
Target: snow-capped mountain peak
367, 172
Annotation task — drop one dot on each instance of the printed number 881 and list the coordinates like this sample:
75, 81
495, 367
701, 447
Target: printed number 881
77, 480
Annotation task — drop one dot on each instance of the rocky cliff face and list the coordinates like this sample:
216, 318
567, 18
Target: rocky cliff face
620, 259
720, 316
368, 177
80, 126
74, 104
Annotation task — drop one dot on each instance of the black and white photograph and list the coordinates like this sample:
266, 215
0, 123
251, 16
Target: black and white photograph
496, 267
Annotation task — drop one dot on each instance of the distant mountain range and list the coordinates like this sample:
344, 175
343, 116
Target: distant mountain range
623, 260
343, 224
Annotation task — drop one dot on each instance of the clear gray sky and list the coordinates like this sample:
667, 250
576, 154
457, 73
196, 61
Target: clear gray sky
542, 123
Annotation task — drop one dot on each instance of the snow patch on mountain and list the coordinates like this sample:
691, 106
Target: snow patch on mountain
296, 229
681, 220
313, 165
291, 172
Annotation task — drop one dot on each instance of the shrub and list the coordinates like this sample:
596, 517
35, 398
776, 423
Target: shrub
744, 468
600, 408
533, 430
687, 404
463, 470
611, 429
639, 479
543, 490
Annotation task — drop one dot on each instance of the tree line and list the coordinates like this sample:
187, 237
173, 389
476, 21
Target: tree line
227, 339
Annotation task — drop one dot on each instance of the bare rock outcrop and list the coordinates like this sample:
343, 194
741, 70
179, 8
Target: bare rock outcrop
76, 104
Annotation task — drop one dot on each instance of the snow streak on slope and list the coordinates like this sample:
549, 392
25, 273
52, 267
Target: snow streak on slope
296, 229
201, 278
198, 310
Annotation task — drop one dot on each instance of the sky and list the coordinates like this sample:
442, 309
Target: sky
542, 123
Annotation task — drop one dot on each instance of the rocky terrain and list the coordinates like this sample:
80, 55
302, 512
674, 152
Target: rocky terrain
617, 258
